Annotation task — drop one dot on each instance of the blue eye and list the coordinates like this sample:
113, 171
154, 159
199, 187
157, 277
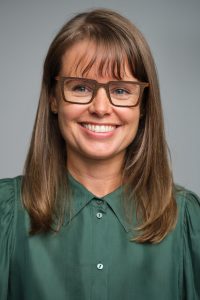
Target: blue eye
80, 88
120, 91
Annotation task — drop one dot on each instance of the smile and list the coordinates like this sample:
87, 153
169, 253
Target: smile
99, 128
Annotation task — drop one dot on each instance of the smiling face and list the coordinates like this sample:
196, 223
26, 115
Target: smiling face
98, 130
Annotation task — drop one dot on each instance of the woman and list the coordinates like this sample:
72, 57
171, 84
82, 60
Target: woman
96, 214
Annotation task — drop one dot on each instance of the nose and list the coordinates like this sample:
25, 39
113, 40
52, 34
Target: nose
100, 105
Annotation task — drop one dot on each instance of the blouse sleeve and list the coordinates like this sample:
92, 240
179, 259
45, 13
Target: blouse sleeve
7, 217
192, 247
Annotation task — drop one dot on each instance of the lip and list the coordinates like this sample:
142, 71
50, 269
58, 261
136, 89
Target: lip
99, 135
100, 124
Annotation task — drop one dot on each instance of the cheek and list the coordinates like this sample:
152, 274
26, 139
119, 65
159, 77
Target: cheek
68, 115
64, 119
132, 122
130, 117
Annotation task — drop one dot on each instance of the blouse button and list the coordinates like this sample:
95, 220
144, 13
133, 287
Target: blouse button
100, 266
99, 215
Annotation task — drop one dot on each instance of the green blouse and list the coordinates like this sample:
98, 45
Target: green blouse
91, 258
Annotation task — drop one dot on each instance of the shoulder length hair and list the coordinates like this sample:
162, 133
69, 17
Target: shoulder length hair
146, 171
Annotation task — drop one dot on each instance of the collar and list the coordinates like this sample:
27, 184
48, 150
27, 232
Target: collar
81, 197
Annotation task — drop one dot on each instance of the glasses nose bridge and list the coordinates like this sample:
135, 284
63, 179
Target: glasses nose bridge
105, 86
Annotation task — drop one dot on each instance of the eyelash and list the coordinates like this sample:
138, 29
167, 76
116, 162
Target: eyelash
119, 89
79, 87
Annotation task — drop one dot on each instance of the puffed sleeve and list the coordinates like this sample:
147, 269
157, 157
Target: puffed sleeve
7, 219
191, 269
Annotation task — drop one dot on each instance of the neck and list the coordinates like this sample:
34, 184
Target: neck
100, 177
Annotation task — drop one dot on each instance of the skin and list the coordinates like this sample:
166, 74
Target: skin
94, 159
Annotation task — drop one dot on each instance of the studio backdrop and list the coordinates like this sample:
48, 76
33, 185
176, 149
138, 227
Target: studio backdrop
172, 30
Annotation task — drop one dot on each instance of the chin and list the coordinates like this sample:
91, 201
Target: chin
101, 155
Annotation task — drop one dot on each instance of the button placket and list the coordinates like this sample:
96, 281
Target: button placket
99, 202
100, 266
99, 215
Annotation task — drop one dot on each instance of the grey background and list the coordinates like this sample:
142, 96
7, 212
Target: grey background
172, 29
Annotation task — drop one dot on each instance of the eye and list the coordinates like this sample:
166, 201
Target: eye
120, 91
124, 90
81, 88
78, 87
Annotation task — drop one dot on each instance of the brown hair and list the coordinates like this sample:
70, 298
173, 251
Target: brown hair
149, 183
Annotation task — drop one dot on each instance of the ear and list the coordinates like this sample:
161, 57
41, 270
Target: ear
54, 105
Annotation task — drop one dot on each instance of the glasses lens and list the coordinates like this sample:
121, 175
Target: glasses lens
124, 93
78, 90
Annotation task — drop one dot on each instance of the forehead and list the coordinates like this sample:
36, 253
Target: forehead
88, 59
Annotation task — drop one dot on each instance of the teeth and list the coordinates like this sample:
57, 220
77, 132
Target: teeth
99, 128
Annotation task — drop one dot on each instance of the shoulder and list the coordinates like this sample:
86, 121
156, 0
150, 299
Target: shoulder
9, 196
7, 185
189, 203
189, 217
189, 207
9, 190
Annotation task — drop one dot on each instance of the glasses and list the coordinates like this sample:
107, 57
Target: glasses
83, 91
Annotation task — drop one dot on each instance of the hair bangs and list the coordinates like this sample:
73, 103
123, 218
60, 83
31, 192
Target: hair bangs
107, 59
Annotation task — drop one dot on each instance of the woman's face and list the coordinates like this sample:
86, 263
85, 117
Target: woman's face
97, 130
